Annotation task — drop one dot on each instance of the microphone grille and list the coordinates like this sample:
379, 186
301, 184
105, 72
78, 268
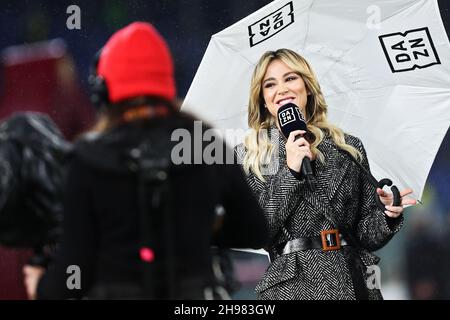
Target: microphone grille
288, 113
290, 119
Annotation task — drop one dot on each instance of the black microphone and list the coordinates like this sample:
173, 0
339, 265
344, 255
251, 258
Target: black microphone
291, 119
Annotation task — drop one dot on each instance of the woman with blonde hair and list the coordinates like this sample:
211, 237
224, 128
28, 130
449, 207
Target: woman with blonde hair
321, 237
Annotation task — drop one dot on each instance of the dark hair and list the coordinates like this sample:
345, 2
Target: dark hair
112, 115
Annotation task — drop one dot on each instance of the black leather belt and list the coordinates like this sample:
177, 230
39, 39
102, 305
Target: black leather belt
332, 240
327, 241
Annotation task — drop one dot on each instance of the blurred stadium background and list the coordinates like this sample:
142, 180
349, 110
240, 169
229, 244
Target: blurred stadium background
45, 66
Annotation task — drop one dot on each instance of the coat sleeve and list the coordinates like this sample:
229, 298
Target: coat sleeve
374, 229
278, 196
76, 252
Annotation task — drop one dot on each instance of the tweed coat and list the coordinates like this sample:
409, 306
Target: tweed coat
343, 199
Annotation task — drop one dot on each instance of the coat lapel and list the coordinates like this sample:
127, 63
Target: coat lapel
330, 174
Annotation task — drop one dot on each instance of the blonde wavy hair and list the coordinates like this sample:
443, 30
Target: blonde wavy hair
257, 143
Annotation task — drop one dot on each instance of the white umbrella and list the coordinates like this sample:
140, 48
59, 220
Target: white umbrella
384, 67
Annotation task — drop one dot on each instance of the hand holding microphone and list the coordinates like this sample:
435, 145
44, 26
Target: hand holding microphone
298, 153
297, 148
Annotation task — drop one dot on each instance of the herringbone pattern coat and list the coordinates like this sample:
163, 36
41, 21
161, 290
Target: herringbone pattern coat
342, 198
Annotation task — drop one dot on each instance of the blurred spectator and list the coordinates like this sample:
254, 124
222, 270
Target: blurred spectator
445, 261
39, 77
427, 254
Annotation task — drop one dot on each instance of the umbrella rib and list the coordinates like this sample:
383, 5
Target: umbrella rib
307, 24
416, 86
362, 38
232, 49
387, 86
238, 113
403, 9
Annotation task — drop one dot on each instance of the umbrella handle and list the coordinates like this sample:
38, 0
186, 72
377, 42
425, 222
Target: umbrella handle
378, 184
395, 192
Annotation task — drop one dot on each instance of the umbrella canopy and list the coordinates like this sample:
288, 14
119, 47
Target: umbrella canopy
383, 66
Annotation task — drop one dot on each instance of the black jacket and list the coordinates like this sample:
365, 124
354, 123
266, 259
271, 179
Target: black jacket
102, 222
32, 153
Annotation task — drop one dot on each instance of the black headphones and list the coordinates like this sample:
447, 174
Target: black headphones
98, 89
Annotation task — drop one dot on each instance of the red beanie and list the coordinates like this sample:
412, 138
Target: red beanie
136, 61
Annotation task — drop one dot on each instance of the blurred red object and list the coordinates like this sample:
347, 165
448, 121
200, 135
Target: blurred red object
11, 277
42, 77
39, 77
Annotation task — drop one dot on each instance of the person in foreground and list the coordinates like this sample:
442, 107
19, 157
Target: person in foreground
138, 224
321, 236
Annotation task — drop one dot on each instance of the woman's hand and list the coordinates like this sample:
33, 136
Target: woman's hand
32, 276
387, 199
296, 150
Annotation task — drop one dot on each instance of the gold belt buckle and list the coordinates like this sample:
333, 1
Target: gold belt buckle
330, 240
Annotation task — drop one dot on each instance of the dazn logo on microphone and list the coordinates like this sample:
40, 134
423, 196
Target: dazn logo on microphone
286, 116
